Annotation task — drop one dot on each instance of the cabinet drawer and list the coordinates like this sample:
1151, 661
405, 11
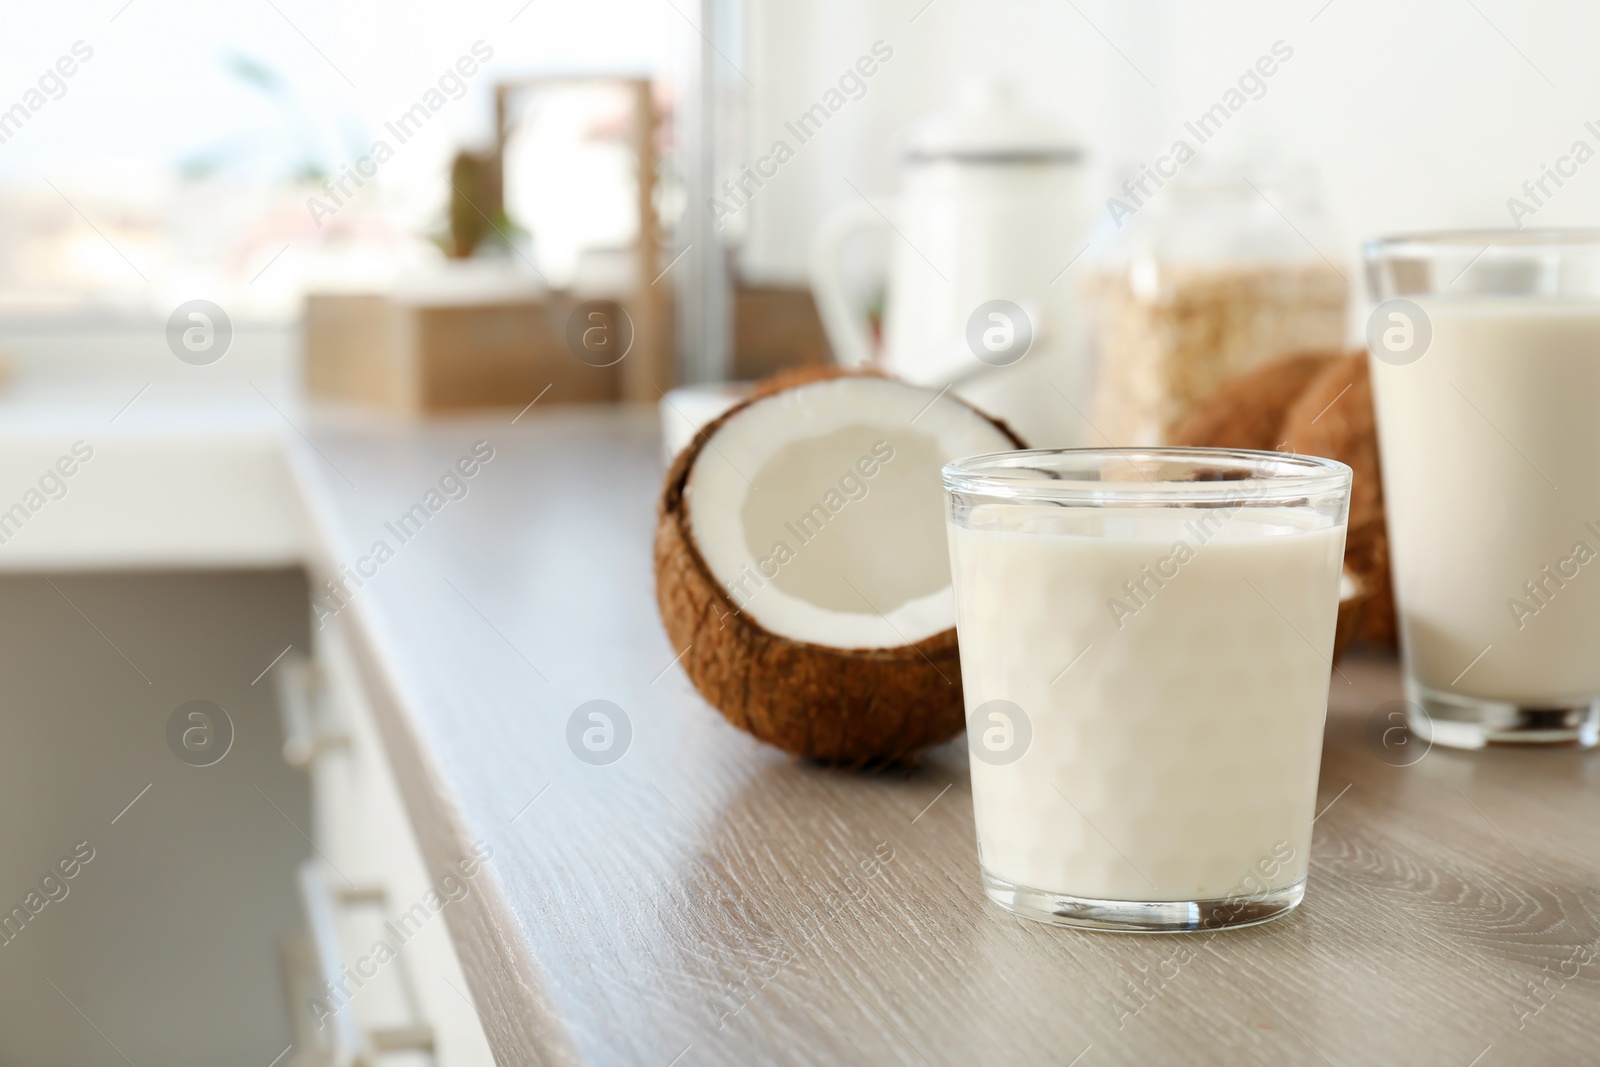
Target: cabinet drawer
385, 969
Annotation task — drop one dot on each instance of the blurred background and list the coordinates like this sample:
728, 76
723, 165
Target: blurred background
199, 152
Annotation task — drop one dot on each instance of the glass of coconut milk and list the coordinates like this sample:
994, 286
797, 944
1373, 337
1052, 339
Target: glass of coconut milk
1485, 358
1146, 638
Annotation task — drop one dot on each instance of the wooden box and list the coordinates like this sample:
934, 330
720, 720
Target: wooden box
417, 356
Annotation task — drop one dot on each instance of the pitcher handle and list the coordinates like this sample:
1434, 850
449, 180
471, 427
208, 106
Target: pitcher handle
846, 328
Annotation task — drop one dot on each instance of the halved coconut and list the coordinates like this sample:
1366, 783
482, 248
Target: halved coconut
1355, 594
801, 557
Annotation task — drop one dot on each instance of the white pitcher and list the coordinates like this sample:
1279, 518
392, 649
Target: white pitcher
979, 298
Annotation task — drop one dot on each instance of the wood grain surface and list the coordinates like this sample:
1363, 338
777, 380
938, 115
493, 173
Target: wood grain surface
705, 900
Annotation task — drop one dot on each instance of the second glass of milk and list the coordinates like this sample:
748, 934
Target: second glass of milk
1146, 638
1485, 358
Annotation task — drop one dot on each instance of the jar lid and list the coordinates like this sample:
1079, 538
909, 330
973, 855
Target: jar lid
990, 125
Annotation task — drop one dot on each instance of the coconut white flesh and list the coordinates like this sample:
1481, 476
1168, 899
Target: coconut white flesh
820, 510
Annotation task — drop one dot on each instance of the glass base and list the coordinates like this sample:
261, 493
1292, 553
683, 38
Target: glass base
1143, 916
1458, 721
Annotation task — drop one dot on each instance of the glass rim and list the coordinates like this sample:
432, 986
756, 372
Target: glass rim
1043, 474
1436, 242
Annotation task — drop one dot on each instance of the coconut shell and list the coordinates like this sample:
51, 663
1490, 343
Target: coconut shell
1352, 609
1248, 411
1316, 404
1366, 554
846, 707
794, 377
1334, 418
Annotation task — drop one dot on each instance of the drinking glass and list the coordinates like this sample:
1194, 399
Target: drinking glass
1485, 358
1146, 639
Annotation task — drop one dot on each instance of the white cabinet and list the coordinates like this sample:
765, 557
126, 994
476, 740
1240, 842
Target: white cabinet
184, 831
376, 979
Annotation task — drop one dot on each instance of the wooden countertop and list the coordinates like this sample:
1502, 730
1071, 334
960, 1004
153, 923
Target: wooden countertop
706, 900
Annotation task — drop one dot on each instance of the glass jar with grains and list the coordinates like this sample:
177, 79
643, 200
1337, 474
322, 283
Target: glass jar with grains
1217, 272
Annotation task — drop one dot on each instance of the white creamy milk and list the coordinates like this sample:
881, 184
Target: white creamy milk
1491, 475
1176, 757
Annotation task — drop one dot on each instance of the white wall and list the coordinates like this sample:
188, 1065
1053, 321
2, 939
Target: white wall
1416, 116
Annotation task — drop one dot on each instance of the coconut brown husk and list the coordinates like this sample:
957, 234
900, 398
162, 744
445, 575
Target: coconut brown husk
1352, 610
845, 707
1316, 404
1334, 418
1248, 411
1366, 553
